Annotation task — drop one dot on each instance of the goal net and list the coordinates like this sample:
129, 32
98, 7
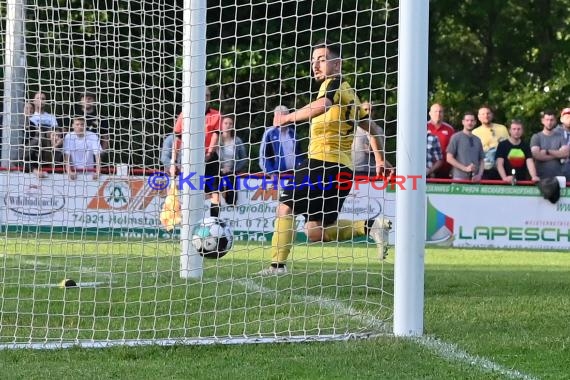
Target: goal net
119, 65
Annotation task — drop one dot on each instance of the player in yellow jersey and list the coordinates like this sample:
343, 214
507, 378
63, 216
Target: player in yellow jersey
318, 191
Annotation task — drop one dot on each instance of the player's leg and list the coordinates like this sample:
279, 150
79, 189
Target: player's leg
282, 241
377, 229
292, 201
328, 185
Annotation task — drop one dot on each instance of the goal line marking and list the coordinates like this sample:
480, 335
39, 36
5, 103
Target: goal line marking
447, 351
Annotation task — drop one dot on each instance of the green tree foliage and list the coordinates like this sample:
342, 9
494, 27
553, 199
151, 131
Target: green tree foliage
259, 53
130, 54
510, 54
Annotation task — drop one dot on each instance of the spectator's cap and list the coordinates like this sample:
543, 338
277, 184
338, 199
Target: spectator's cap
565, 111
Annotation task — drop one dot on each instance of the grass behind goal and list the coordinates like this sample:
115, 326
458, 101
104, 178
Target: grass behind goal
132, 291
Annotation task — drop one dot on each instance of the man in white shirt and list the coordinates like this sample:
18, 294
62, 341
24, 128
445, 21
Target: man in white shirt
82, 150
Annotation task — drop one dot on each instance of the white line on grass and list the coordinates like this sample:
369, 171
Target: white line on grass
451, 352
82, 270
447, 351
327, 303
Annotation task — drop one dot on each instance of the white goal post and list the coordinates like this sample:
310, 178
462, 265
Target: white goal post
86, 262
411, 158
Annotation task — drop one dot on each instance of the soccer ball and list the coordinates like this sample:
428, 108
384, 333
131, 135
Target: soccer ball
213, 238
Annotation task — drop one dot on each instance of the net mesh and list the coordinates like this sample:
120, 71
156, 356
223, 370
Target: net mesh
105, 234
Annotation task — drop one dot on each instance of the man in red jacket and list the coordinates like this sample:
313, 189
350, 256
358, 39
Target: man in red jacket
212, 169
443, 131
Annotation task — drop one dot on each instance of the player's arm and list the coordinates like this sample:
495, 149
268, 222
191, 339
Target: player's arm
313, 109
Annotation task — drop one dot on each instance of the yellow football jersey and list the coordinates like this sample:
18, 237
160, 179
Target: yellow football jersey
331, 133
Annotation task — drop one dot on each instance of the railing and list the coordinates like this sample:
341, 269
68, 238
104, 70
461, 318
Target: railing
136, 171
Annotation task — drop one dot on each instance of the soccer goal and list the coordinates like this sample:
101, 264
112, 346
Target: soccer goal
84, 258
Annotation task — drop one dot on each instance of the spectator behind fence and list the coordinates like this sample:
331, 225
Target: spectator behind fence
82, 150
212, 163
514, 159
549, 148
366, 153
564, 129
434, 155
443, 131
233, 159
166, 151
87, 109
280, 150
40, 129
490, 134
465, 152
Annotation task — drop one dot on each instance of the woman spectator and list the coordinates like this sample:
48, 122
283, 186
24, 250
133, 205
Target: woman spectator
232, 159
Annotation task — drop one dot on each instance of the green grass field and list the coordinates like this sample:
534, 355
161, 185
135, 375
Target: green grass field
488, 314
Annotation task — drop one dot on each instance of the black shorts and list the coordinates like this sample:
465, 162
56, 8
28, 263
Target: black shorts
212, 175
318, 191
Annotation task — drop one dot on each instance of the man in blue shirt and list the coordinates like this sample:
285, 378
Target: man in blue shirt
280, 151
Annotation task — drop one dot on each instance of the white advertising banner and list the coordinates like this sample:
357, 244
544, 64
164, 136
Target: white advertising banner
130, 206
56, 204
458, 215
252, 218
497, 217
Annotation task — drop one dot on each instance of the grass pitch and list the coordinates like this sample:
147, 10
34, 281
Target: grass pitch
495, 314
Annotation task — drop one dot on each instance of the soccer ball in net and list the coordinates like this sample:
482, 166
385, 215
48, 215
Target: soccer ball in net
213, 238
